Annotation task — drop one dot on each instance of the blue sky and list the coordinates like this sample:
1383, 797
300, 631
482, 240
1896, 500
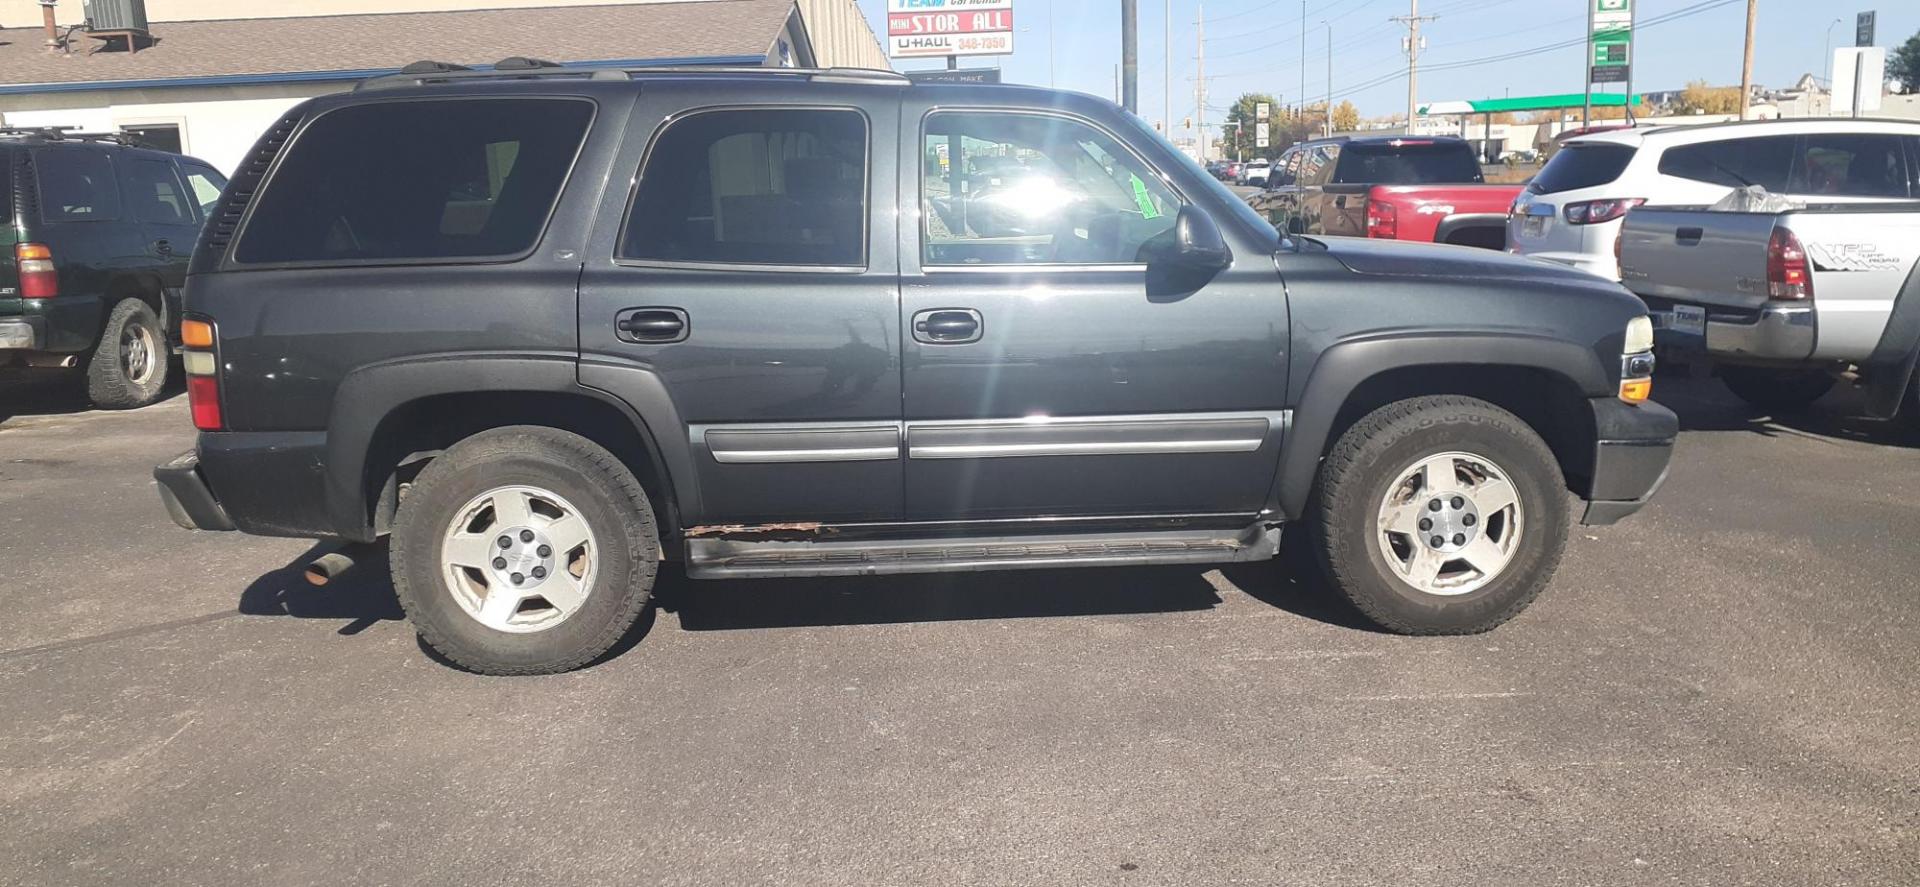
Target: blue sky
1255, 45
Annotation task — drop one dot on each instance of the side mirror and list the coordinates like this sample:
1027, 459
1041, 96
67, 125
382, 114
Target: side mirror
1197, 246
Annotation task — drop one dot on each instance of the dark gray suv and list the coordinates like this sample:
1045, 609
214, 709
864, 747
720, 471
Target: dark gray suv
547, 328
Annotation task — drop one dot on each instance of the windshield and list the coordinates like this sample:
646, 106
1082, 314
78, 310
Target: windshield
1407, 164
1582, 166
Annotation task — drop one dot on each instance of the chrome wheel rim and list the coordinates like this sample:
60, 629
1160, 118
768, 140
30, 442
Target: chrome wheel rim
518, 558
1450, 523
138, 350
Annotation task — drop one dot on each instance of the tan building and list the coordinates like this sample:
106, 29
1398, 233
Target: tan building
207, 81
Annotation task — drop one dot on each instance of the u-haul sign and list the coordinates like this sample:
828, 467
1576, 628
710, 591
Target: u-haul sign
933, 28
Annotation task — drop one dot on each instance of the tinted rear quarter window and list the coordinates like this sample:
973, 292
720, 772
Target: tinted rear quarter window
1407, 164
417, 180
766, 187
1734, 163
1582, 166
1850, 165
76, 185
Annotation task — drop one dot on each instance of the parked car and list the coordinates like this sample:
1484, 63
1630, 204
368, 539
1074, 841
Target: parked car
100, 231
1254, 172
1393, 188
1783, 302
1230, 171
1571, 212
1218, 169
420, 312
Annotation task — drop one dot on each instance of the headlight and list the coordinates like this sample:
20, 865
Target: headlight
1636, 361
1639, 336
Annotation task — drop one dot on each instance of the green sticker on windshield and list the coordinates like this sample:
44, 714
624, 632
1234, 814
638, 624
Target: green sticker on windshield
1143, 199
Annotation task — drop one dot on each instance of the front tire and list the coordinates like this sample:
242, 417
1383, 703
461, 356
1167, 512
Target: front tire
128, 368
1776, 391
1440, 515
524, 550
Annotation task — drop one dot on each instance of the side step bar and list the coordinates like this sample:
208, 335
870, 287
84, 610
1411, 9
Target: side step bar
730, 559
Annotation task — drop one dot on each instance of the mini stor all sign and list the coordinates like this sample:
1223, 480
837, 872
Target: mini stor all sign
934, 28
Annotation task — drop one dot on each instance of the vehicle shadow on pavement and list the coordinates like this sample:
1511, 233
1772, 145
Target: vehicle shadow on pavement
1704, 404
362, 596
54, 392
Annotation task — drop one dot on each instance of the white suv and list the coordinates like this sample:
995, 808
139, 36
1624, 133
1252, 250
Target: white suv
1572, 211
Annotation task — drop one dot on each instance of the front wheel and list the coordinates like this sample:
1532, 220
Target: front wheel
1441, 515
524, 550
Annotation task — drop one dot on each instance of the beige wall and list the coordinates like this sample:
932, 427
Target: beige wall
841, 37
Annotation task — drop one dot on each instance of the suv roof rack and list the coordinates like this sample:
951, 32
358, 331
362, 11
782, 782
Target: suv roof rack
70, 133
429, 73
517, 68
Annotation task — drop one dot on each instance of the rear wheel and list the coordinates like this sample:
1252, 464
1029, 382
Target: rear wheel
524, 550
1775, 390
1441, 515
128, 368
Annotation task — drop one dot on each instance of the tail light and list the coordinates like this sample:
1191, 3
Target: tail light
38, 279
1787, 276
1383, 221
1594, 212
202, 363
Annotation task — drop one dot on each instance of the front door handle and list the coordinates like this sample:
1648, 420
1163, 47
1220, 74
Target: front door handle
946, 326
651, 325
161, 247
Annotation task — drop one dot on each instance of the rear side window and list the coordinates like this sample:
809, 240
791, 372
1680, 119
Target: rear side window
1735, 163
418, 180
1582, 166
759, 187
154, 194
76, 185
1407, 164
206, 185
1850, 165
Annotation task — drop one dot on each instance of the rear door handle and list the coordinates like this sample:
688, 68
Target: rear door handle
946, 326
651, 325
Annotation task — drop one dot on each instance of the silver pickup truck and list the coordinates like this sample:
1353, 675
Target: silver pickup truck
1784, 302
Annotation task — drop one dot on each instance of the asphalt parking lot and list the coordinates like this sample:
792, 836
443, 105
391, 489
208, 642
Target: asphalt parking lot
1721, 691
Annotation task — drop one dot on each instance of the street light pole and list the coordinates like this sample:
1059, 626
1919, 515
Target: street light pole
1329, 76
1826, 55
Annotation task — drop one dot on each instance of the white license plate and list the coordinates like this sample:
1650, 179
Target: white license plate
1533, 226
1690, 319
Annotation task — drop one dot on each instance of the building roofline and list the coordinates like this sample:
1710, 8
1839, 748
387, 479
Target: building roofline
335, 76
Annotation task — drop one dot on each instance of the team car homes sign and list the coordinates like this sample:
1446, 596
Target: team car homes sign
930, 28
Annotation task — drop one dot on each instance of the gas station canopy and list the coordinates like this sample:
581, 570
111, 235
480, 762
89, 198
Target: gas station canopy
1565, 102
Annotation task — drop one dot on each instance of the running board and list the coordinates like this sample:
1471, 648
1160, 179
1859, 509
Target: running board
731, 559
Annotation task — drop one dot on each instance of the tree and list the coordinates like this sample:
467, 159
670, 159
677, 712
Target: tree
1238, 142
1699, 98
1640, 112
1346, 117
1903, 64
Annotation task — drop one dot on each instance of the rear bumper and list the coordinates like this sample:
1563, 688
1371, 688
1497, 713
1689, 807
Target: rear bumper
188, 499
1776, 333
1631, 457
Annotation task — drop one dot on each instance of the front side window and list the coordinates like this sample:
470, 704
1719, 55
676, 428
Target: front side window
206, 184
1850, 165
418, 180
1734, 163
1002, 188
754, 187
155, 194
76, 185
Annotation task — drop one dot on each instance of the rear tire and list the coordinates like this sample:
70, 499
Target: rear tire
524, 550
1776, 391
128, 368
1488, 549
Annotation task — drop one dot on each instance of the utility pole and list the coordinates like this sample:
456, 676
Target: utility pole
1166, 84
1329, 77
1412, 20
1586, 73
1130, 55
1303, 60
1200, 78
1746, 61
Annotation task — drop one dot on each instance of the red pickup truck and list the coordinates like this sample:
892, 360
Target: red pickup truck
1395, 188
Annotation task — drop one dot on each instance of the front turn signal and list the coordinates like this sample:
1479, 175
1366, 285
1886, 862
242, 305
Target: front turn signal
1636, 390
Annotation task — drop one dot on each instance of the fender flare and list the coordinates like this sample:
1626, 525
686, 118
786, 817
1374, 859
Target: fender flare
368, 395
1343, 367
